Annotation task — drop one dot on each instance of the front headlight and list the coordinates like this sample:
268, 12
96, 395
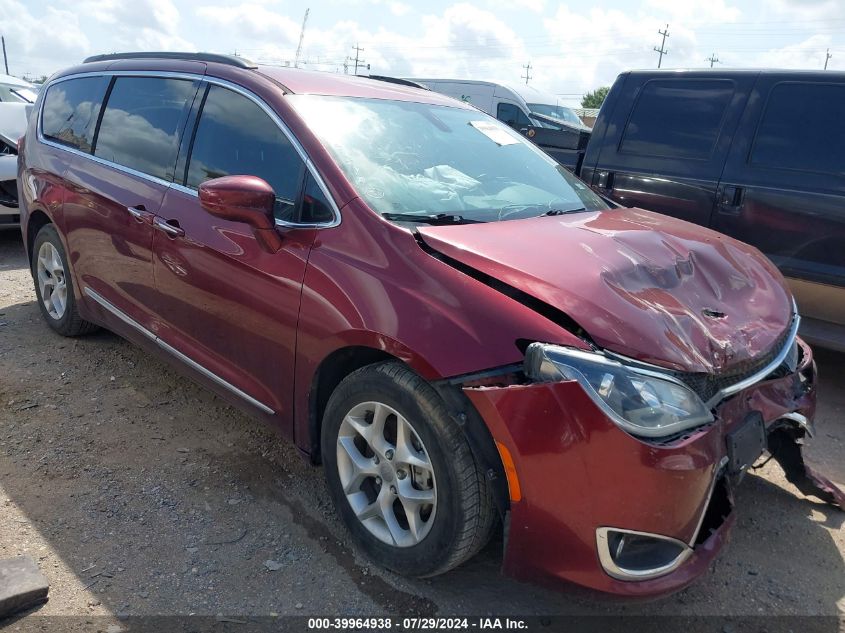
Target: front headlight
641, 401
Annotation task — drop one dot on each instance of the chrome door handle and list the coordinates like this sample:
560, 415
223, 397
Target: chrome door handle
172, 231
140, 214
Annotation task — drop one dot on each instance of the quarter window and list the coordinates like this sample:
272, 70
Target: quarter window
315, 206
142, 123
802, 128
235, 136
677, 118
71, 109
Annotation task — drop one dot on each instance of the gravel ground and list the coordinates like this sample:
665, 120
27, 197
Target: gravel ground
140, 493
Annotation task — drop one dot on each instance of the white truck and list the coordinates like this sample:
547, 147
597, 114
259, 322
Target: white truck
540, 116
510, 103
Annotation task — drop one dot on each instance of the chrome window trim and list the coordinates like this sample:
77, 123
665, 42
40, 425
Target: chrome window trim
106, 304
210, 80
104, 162
620, 573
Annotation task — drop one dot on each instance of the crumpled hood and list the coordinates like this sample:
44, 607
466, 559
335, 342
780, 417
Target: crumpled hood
644, 285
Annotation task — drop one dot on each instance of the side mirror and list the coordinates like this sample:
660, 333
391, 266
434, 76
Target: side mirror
246, 199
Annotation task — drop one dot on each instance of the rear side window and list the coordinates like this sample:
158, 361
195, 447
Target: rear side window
236, 137
70, 111
142, 123
802, 128
678, 118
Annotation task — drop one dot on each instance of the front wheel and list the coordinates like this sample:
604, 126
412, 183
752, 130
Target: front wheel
402, 474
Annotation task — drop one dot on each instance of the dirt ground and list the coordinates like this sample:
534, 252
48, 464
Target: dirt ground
140, 493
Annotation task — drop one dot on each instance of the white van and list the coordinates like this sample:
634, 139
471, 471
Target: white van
514, 104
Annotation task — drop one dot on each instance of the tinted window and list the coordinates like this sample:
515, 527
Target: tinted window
315, 206
803, 128
235, 136
678, 118
71, 109
142, 122
511, 115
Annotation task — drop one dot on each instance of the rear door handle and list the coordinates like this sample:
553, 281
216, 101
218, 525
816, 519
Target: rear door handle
140, 214
171, 230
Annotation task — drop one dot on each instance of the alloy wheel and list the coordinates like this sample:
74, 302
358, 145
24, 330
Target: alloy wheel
52, 284
386, 474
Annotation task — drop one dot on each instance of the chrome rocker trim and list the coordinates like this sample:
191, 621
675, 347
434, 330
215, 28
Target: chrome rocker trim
106, 304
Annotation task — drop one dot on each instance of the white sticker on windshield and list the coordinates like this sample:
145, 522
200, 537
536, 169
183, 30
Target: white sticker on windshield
494, 132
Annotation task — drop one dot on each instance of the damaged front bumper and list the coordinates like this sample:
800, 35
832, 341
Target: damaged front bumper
629, 517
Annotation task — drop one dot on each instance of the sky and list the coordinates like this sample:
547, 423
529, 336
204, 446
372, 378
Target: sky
573, 47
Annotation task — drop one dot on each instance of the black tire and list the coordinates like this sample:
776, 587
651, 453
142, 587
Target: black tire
464, 516
70, 323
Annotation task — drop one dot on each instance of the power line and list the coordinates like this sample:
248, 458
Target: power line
527, 74
356, 60
662, 50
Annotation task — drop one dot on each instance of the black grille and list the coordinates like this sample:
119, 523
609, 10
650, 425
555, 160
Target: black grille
708, 385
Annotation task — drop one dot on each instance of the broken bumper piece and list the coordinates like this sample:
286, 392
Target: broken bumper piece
624, 516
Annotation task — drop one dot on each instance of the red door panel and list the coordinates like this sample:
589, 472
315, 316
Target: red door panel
110, 248
226, 303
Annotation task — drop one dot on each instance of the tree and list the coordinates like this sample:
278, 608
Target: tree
595, 98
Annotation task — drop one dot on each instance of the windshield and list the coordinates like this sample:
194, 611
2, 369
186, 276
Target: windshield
422, 159
561, 113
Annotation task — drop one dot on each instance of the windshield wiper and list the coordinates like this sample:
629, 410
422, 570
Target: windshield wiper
562, 211
436, 218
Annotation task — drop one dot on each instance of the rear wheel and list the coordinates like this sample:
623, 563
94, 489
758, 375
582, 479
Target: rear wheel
402, 474
54, 285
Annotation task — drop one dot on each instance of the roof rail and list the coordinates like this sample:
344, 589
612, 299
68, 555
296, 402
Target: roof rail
396, 80
230, 60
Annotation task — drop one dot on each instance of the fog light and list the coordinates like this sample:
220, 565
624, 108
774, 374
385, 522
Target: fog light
631, 555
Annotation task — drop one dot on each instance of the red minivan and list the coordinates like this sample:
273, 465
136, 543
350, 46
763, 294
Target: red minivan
457, 328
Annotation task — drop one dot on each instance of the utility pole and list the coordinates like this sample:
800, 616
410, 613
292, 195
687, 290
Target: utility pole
826, 58
713, 60
301, 37
358, 62
6, 59
527, 74
662, 50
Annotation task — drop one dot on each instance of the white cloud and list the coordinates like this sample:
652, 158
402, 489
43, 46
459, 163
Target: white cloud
399, 8
253, 21
573, 47
807, 54
536, 6
35, 43
158, 15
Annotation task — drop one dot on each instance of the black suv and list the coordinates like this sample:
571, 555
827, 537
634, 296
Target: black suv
755, 154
